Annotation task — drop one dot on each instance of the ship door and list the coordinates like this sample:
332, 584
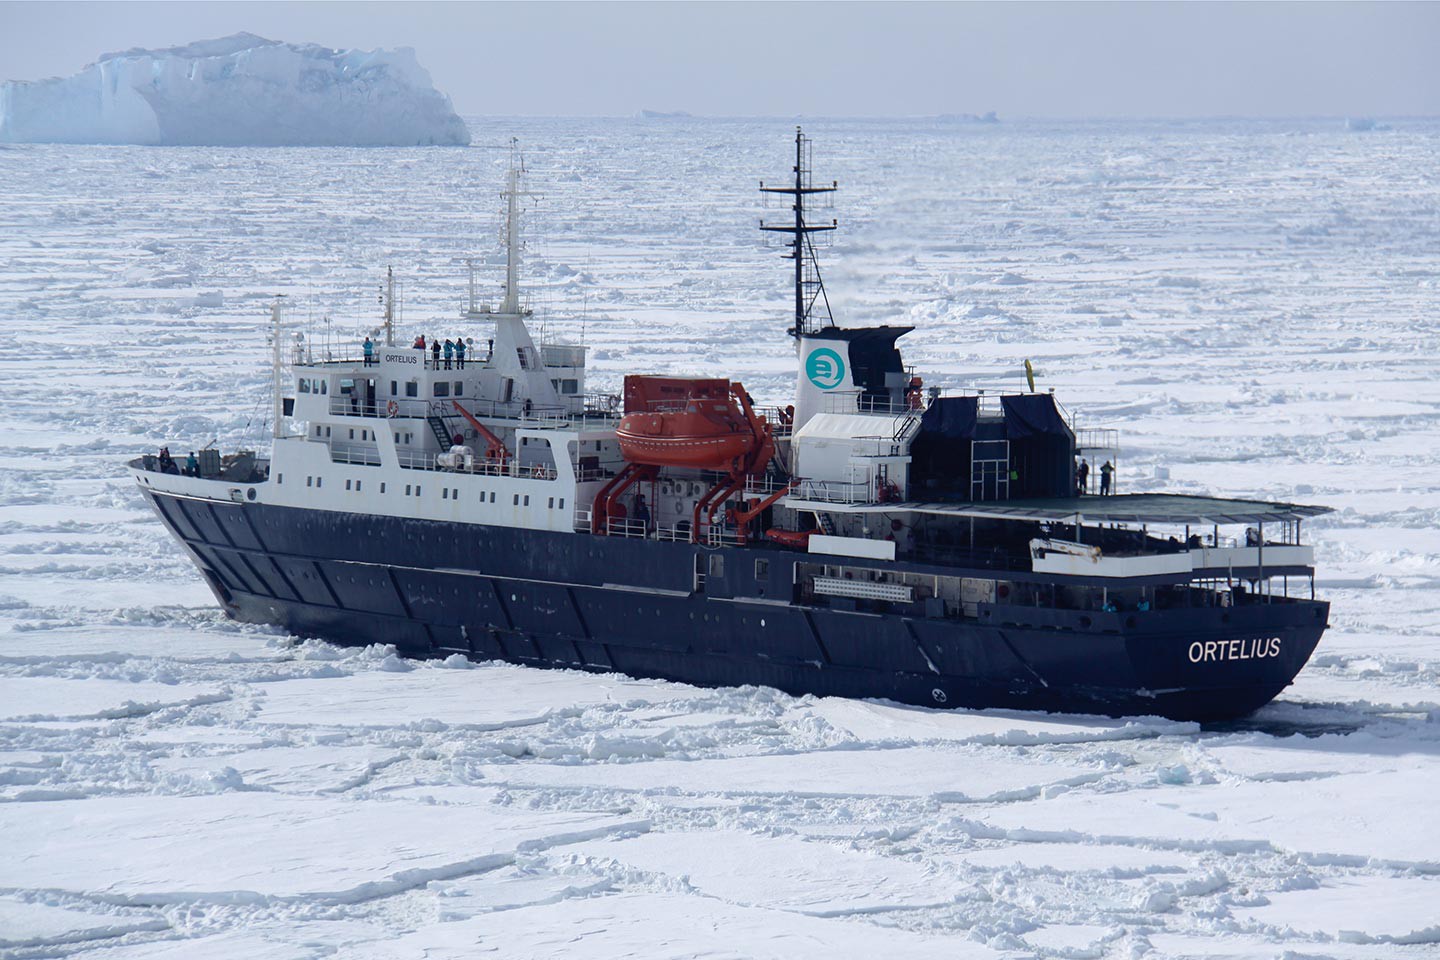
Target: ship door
369, 398
990, 470
699, 573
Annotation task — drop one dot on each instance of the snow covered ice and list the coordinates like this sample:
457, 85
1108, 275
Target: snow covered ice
237, 90
1251, 304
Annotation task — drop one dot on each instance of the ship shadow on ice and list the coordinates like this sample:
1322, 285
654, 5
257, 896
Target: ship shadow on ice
1283, 718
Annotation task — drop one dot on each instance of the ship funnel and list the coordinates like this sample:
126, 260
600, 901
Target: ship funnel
849, 370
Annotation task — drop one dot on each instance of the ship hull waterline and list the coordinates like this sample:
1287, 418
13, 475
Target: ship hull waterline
547, 599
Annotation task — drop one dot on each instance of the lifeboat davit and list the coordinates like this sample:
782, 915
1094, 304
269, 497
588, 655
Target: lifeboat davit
671, 422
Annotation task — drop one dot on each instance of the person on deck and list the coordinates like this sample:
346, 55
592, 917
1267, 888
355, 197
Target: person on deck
369, 349
1082, 476
460, 353
192, 466
167, 462
641, 513
449, 352
1106, 472
434, 354
419, 343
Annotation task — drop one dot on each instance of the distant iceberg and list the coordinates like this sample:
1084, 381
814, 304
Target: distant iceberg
1363, 125
241, 90
988, 117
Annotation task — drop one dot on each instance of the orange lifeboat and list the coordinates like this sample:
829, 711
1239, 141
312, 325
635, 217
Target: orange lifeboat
703, 434
676, 422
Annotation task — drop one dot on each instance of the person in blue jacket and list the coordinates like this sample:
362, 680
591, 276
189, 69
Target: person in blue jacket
369, 352
449, 351
460, 352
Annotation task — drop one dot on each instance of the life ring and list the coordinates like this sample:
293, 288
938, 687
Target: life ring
392, 409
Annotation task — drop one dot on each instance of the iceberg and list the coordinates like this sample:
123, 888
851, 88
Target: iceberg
241, 90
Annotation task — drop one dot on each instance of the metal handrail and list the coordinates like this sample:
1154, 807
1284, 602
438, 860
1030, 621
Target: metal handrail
835, 491
363, 456
497, 467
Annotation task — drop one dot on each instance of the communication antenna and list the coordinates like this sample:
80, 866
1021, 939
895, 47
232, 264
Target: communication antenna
809, 287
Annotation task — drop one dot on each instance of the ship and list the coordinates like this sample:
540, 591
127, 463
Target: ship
871, 538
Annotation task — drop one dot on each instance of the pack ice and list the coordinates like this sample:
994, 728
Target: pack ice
241, 90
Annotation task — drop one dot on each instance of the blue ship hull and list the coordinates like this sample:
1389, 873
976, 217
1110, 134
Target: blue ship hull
637, 607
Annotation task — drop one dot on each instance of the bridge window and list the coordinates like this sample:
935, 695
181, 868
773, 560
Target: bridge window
304, 385
459, 388
442, 389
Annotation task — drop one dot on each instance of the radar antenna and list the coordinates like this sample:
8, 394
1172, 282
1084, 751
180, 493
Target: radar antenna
809, 287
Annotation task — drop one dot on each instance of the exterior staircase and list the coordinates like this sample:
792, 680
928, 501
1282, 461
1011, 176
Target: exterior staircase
443, 431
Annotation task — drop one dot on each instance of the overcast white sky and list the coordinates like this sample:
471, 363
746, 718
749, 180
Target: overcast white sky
784, 59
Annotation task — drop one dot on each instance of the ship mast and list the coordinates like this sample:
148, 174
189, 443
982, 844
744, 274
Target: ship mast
808, 285
277, 368
513, 193
389, 306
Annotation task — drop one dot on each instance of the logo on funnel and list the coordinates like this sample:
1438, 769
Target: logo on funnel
825, 368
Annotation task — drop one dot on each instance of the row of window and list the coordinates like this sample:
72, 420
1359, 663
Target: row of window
325, 432
446, 493
565, 386
440, 388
